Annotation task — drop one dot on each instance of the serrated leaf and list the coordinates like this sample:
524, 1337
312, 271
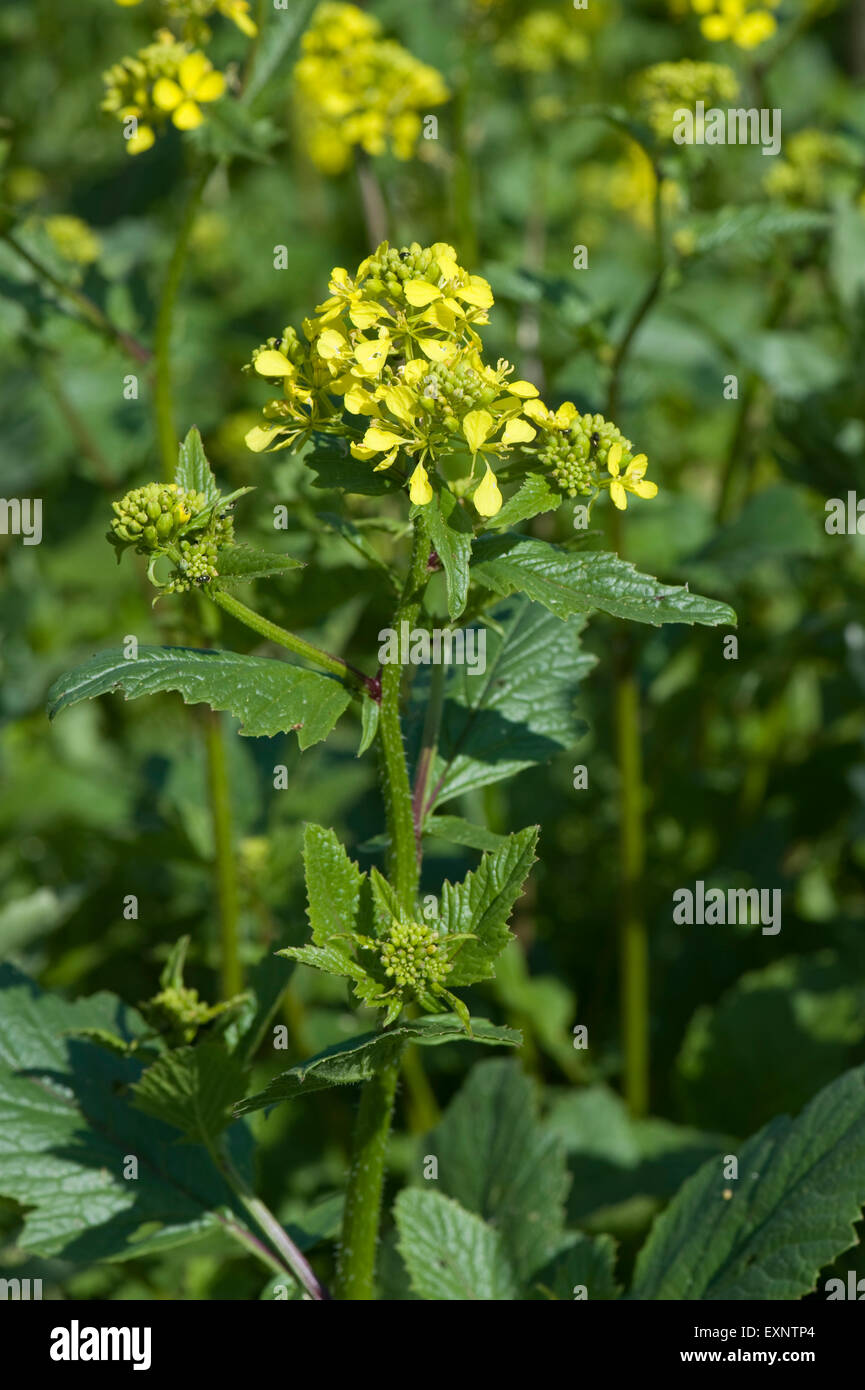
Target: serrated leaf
521, 711
333, 887
67, 1130
245, 562
330, 959
750, 229
449, 1253
358, 1059
268, 697
193, 471
451, 535
568, 582
800, 1190
497, 1160
192, 1089
482, 905
534, 496
584, 1263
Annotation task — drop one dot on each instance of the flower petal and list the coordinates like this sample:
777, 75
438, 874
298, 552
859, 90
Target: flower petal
614, 458
618, 494
378, 438
260, 437
477, 427
518, 431
191, 70
487, 499
273, 363
419, 489
166, 94
522, 388
188, 116
420, 292
211, 87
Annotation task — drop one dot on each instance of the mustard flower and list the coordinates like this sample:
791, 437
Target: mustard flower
664, 88
746, 23
193, 12
166, 79
541, 41
197, 82
357, 90
632, 480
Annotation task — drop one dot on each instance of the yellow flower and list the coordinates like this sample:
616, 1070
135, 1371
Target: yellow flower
487, 499
632, 480
197, 81
419, 489
736, 20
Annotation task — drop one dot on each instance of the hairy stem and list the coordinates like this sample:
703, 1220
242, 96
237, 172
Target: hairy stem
428, 749
283, 638
163, 401
231, 970
356, 1262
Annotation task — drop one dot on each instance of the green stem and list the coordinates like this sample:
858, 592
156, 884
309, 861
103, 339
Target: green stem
283, 638
633, 936
355, 1269
356, 1262
163, 402
90, 312
372, 199
428, 750
231, 970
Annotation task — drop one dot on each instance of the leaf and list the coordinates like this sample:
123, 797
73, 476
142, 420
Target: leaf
369, 715
497, 1160
333, 886
68, 1130
449, 1253
520, 712
245, 562
193, 1089
336, 470
269, 697
584, 1262
847, 261
570, 582
750, 229
278, 39
358, 1059
800, 1190
451, 535
193, 471
535, 495
461, 832
482, 905
331, 959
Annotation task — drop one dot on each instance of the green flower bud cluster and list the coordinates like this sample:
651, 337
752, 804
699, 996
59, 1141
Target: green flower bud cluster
196, 566
453, 391
151, 517
177, 1012
576, 455
387, 270
289, 345
413, 957
663, 89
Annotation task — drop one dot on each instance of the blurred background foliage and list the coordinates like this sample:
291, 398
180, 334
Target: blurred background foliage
754, 767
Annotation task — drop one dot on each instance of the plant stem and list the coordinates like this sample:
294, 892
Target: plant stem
356, 1261
231, 970
428, 748
633, 936
163, 403
372, 198
283, 638
355, 1269
91, 313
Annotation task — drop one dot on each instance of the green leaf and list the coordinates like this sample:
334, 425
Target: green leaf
569, 582
358, 1059
331, 959
369, 715
245, 562
498, 1160
69, 1129
750, 229
462, 832
451, 535
521, 711
193, 1089
482, 904
333, 887
268, 697
336, 470
800, 1190
450, 1254
193, 470
535, 495
584, 1263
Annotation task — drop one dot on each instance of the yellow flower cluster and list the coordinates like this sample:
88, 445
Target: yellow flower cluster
543, 40
393, 362
73, 239
357, 89
747, 23
194, 12
166, 80
663, 89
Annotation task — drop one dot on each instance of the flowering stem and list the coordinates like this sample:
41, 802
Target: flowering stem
356, 1261
283, 638
163, 403
428, 748
90, 312
231, 970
